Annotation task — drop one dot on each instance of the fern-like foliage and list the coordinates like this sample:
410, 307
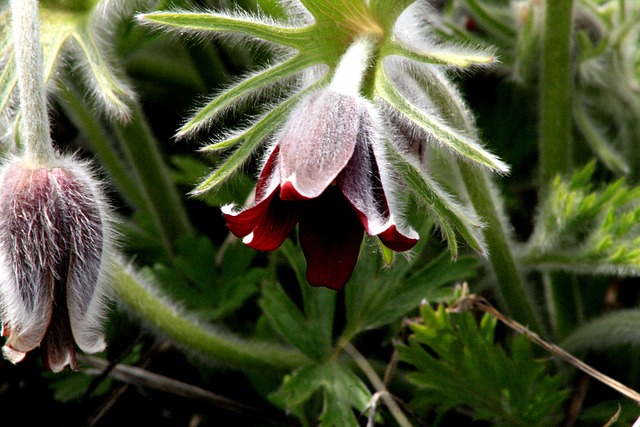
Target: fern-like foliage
587, 229
457, 364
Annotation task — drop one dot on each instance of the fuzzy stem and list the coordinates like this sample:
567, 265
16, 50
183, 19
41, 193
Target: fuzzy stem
161, 198
35, 131
227, 349
508, 276
555, 92
554, 137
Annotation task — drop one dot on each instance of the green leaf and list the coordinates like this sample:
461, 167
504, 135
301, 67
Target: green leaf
110, 91
455, 57
298, 328
227, 23
387, 12
374, 300
450, 215
597, 141
68, 387
252, 138
247, 86
601, 333
199, 285
64, 30
451, 138
318, 303
458, 365
587, 230
342, 391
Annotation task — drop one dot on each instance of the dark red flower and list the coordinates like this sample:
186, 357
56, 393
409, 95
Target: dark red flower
323, 173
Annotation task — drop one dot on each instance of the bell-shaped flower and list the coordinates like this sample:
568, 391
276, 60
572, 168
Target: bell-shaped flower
324, 173
55, 232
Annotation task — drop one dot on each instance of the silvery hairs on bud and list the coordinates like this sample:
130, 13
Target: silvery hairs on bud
55, 239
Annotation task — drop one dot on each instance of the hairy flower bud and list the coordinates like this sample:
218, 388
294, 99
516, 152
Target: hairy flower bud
55, 231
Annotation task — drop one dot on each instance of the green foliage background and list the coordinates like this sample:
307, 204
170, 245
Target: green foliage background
559, 250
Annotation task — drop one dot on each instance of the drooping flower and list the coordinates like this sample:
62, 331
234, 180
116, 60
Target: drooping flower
55, 232
324, 174
387, 52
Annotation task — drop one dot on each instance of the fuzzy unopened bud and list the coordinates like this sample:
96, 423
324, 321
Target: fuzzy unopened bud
54, 231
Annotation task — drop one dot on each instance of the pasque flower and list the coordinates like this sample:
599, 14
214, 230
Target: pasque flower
52, 242
323, 172
363, 90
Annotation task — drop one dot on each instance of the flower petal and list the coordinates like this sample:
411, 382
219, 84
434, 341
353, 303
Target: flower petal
242, 223
395, 240
317, 143
58, 344
273, 226
28, 253
361, 184
330, 236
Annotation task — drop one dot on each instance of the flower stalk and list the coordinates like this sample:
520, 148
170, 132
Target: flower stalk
35, 130
554, 137
555, 92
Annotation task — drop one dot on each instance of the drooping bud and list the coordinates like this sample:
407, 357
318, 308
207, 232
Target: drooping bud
55, 231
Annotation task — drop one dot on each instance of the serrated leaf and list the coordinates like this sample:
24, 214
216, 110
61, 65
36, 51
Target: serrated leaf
457, 364
319, 303
583, 229
204, 289
342, 390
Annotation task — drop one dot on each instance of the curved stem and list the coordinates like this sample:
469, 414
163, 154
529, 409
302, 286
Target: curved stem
223, 347
35, 130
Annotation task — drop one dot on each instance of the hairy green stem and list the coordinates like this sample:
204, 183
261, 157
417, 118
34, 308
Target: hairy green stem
554, 137
35, 130
225, 348
555, 92
161, 198
508, 277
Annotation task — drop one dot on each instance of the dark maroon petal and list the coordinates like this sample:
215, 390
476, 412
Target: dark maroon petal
273, 226
330, 236
242, 223
317, 143
395, 240
361, 184
58, 345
